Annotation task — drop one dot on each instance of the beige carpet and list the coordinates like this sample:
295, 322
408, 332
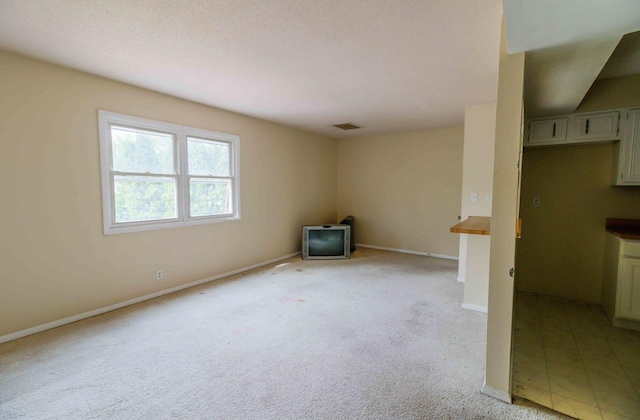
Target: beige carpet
379, 336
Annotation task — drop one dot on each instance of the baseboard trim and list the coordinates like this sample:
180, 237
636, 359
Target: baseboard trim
89, 314
478, 308
496, 393
460, 279
623, 323
406, 251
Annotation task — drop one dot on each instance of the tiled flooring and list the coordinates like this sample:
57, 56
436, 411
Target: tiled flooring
568, 356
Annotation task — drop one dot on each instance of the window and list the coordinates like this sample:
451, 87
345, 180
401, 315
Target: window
157, 175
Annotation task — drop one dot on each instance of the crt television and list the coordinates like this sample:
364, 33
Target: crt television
326, 242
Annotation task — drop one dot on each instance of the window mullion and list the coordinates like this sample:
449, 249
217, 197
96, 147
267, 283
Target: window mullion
144, 174
183, 170
210, 177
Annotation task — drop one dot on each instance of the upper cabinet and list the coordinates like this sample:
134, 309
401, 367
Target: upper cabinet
599, 126
573, 129
547, 131
621, 126
627, 168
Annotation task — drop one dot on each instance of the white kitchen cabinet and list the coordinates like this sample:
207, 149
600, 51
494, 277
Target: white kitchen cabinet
621, 282
630, 289
596, 126
547, 131
592, 127
627, 168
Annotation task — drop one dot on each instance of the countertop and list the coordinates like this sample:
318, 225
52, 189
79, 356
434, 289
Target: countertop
624, 228
474, 225
480, 225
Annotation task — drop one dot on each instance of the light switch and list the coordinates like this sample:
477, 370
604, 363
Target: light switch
489, 198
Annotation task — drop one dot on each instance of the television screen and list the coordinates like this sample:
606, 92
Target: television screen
325, 242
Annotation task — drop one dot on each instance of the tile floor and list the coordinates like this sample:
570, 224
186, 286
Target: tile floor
568, 356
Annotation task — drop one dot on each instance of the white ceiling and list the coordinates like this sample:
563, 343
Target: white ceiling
558, 78
567, 44
538, 24
388, 66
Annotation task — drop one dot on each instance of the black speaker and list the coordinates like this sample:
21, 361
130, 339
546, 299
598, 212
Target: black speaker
350, 220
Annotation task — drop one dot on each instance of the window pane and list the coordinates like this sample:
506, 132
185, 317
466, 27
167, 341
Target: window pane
209, 197
141, 151
208, 158
139, 198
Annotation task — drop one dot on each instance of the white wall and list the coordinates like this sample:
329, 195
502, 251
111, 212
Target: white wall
504, 214
477, 177
479, 146
403, 189
55, 261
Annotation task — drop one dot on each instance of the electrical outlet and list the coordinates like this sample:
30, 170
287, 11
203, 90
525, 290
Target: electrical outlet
489, 198
159, 275
536, 201
474, 197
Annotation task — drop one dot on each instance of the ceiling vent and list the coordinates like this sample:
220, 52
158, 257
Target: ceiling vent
346, 126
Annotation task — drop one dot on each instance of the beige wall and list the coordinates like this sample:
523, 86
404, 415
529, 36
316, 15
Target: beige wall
504, 213
403, 189
561, 252
617, 92
477, 173
55, 261
477, 177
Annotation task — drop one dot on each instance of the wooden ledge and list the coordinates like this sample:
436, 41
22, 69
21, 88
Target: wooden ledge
480, 225
474, 225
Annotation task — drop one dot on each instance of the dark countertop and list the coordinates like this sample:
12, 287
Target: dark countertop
624, 228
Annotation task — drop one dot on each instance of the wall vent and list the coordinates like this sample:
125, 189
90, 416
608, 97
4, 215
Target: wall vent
346, 126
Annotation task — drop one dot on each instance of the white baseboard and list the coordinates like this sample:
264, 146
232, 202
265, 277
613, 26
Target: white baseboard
478, 308
74, 318
406, 251
496, 393
460, 279
623, 323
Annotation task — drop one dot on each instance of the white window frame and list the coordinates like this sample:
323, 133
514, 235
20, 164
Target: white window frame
180, 133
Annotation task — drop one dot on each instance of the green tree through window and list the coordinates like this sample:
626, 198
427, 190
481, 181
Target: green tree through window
157, 173
137, 154
209, 183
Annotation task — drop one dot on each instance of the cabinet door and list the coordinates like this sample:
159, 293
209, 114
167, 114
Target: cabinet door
629, 170
600, 126
630, 289
547, 131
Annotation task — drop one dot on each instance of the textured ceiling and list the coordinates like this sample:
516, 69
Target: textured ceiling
567, 44
387, 66
538, 24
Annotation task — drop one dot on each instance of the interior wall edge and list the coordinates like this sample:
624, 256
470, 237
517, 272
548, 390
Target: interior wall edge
477, 308
496, 393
